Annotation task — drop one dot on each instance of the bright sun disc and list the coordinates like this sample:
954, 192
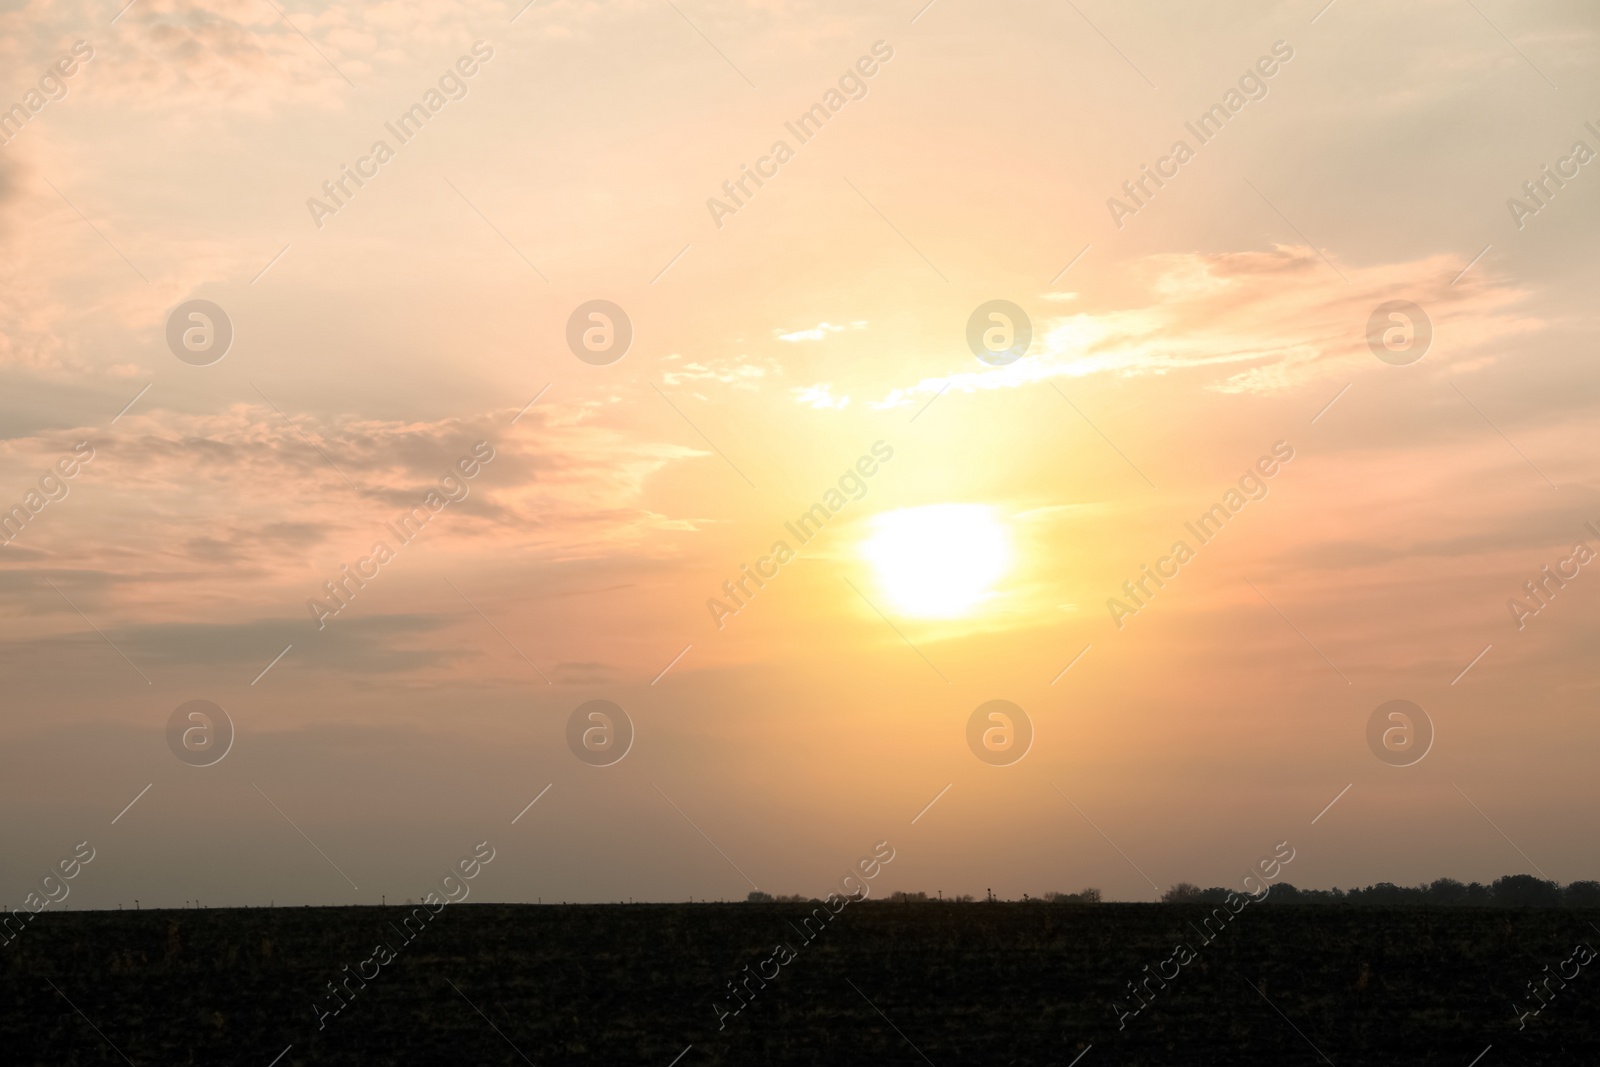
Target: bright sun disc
938, 561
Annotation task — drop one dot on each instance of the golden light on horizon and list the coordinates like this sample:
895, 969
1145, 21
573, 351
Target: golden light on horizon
940, 561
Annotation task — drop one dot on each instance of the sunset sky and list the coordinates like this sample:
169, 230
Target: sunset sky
775, 345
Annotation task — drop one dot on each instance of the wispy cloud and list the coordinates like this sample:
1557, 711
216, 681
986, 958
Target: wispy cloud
1247, 322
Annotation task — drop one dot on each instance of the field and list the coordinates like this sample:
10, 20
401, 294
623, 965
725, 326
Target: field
882, 983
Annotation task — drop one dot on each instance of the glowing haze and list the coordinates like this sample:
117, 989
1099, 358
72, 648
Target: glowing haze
798, 532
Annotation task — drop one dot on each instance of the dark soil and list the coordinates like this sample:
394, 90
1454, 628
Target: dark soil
881, 984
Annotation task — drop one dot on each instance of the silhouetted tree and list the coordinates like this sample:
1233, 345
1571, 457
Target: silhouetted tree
1446, 891
1582, 895
1087, 896
1385, 893
1525, 891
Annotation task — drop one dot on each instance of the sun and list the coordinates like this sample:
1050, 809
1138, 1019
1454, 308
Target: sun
940, 561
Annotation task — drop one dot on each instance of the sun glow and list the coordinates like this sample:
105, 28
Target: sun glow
939, 561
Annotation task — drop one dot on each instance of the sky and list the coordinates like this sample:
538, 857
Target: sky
1387, 481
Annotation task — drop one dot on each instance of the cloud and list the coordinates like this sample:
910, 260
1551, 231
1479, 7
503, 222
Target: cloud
1251, 322
816, 333
821, 396
366, 644
583, 673
369, 644
8, 182
240, 501
232, 546
239, 55
739, 372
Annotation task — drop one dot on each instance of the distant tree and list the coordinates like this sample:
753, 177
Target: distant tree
1385, 893
1086, 896
1511, 891
1525, 891
1446, 891
1183, 893
758, 897
1286, 893
900, 897
1582, 895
